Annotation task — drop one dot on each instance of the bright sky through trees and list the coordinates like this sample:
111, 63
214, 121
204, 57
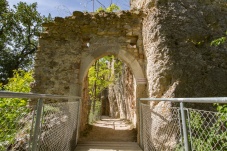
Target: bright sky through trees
64, 8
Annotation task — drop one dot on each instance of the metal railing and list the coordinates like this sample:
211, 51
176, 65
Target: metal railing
164, 127
44, 126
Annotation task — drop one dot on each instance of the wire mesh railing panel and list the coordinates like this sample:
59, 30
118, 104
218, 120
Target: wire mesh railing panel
59, 126
15, 126
160, 132
44, 127
146, 127
207, 130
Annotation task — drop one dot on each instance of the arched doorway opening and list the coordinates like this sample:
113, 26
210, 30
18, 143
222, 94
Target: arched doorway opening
137, 86
111, 103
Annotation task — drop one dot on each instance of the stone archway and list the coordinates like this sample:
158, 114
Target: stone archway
89, 57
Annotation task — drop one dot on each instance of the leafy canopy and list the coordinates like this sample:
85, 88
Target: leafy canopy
20, 28
99, 77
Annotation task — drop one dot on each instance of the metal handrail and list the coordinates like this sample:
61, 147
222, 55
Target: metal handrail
189, 100
183, 118
6, 94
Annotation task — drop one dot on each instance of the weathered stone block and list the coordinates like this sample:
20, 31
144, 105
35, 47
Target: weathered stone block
59, 19
48, 24
78, 13
129, 33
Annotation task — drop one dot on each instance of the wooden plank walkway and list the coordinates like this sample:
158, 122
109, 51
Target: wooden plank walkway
108, 146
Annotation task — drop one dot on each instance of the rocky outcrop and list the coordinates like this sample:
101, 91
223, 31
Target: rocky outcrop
176, 37
121, 96
180, 60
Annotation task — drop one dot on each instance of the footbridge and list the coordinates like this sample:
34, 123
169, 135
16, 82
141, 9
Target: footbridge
53, 125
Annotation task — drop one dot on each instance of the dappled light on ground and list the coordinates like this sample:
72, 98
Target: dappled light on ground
110, 129
115, 124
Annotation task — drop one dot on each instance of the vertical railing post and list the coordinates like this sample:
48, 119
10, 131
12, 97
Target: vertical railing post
141, 124
183, 118
78, 120
189, 127
37, 125
180, 123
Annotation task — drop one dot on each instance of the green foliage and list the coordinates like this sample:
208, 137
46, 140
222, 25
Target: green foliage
20, 28
95, 115
101, 74
99, 77
222, 108
20, 82
219, 41
100, 9
208, 134
13, 109
112, 8
118, 65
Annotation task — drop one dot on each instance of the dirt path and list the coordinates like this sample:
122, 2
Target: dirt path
111, 130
